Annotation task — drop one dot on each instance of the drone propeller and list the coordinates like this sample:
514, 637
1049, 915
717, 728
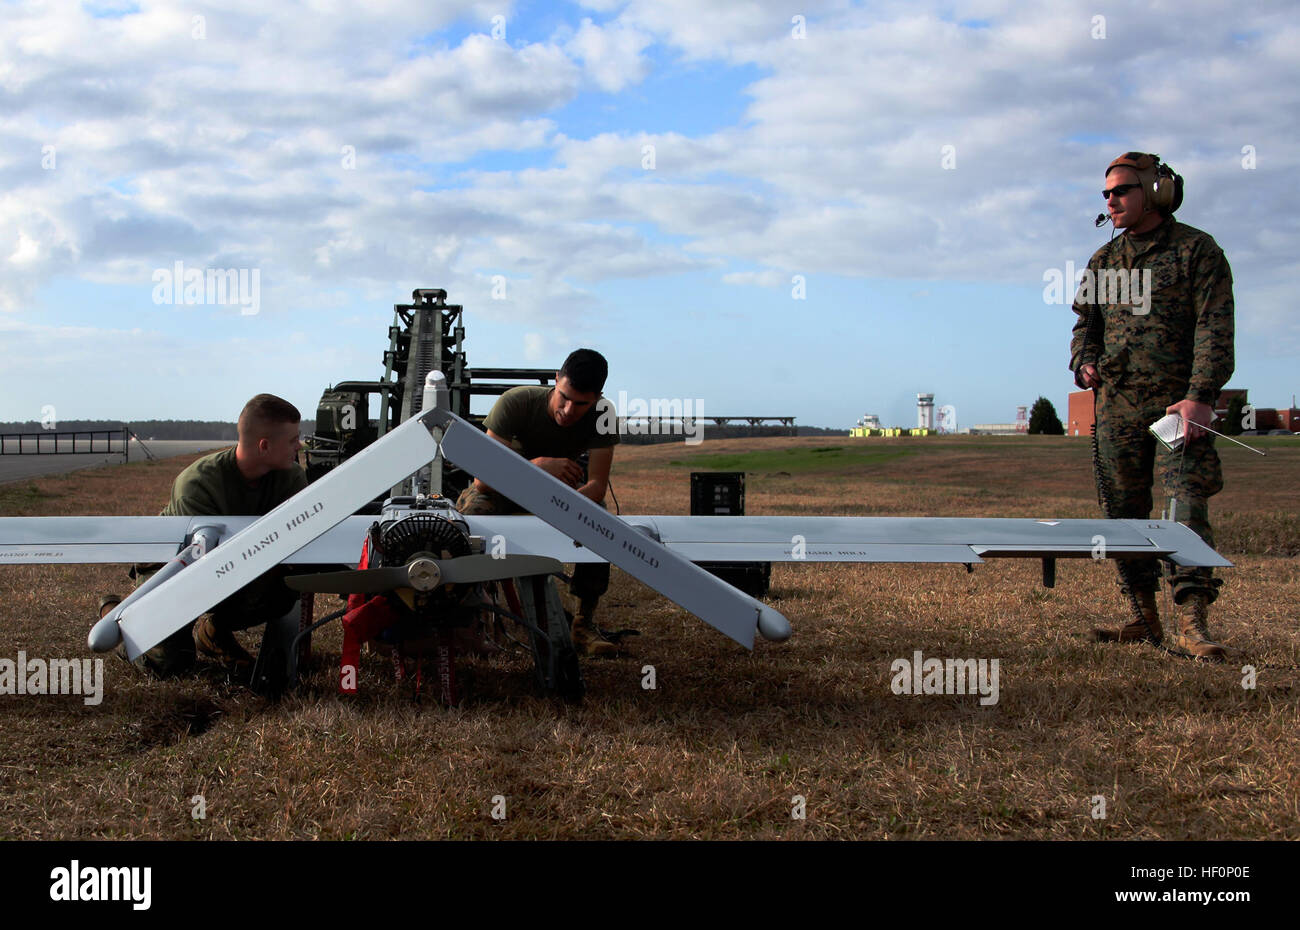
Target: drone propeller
471, 569
425, 574
266, 542
358, 580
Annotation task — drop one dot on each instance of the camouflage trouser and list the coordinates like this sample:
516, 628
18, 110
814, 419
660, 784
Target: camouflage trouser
1191, 475
261, 600
590, 579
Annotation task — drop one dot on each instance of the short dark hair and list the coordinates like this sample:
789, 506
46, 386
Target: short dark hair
263, 411
586, 370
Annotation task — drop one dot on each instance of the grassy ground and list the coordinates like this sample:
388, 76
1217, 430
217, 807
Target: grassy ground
728, 741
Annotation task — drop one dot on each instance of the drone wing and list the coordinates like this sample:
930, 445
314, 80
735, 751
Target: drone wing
86, 540
925, 539
70, 540
966, 540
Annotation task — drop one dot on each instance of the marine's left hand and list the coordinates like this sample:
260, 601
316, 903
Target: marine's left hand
1195, 414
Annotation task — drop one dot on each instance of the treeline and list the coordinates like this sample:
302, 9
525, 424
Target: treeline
709, 431
820, 431
145, 429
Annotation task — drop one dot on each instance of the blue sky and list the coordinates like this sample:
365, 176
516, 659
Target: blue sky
652, 179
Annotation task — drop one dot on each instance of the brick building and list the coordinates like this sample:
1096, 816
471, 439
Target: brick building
1080, 415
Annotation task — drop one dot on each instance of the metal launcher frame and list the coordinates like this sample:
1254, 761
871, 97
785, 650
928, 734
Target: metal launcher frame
426, 335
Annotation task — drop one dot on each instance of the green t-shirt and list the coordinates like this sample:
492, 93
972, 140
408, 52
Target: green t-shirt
520, 418
213, 486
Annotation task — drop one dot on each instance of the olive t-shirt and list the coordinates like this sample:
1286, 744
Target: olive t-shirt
520, 418
214, 486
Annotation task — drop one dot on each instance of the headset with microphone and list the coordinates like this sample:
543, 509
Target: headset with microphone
1163, 189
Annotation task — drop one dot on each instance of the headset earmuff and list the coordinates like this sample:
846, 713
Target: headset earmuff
1161, 191
1165, 192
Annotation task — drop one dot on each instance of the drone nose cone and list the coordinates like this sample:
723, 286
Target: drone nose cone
105, 634
772, 624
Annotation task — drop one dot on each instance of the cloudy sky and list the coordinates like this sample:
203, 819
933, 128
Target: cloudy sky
794, 207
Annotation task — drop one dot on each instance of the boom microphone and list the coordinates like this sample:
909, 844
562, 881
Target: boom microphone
1100, 220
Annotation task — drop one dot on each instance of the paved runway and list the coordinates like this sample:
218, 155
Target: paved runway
20, 467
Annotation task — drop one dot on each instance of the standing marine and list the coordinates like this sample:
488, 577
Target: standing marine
1154, 336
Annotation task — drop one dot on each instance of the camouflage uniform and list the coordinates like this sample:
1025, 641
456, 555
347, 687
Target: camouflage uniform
214, 486
1181, 348
521, 417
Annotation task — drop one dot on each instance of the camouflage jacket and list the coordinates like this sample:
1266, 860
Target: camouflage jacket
1155, 313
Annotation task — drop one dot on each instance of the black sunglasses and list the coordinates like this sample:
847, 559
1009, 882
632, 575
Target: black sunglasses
1119, 190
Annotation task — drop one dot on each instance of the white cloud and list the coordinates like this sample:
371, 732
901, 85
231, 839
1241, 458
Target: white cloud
27, 250
756, 278
728, 28
480, 78
611, 56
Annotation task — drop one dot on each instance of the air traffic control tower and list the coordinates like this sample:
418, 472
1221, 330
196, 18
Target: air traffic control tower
925, 411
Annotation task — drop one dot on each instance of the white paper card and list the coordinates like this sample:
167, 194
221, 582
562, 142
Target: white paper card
1169, 430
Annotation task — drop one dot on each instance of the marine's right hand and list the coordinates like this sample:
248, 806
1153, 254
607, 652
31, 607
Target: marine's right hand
567, 470
1089, 376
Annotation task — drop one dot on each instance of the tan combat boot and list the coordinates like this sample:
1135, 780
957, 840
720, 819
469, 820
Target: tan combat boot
221, 644
173, 656
1193, 632
1146, 630
586, 638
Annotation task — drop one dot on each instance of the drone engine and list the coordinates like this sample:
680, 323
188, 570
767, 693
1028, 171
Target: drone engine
408, 539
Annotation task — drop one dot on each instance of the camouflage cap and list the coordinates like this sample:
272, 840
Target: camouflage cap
1140, 162
1164, 188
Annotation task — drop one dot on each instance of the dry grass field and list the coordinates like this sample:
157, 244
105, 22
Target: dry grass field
728, 739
